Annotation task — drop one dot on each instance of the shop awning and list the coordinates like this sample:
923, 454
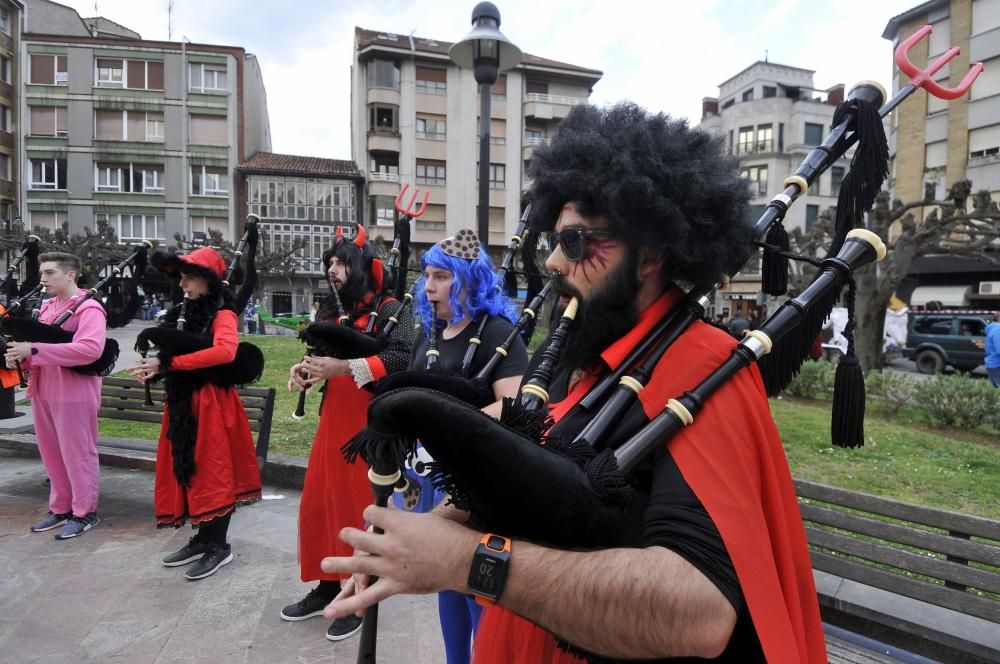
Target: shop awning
949, 296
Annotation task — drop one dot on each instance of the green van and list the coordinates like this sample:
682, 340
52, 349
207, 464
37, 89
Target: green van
936, 339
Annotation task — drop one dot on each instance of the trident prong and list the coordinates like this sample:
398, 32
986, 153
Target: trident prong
409, 209
924, 78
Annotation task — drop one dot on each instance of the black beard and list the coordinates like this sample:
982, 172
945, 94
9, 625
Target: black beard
609, 314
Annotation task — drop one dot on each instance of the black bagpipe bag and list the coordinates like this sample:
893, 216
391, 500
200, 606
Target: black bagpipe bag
543, 492
245, 369
473, 391
27, 329
343, 341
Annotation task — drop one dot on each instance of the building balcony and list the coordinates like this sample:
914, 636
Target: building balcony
382, 176
549, 107
383, 141
6, 90
6, 140
383, 186
8, 189
383, 96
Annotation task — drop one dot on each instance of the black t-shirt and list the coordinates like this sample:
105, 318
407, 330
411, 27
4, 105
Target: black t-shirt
452, 351
672, 517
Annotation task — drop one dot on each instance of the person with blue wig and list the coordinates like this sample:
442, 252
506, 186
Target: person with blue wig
460, 286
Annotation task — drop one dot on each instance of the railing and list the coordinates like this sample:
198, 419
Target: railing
536, 140
554, 99
381, 176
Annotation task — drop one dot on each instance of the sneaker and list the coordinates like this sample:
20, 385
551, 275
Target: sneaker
190, 552
78, 525
49, 522
214, 558
342, 628
312, 605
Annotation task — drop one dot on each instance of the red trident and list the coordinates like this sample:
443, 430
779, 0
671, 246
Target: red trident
924, 78
409, 209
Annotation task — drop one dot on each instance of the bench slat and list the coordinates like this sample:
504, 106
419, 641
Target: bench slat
152, 415
927, 516
134, 394
948, 598
937, 568
901, 534
254, 413
260, 392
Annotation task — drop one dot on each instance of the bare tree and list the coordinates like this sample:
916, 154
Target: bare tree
96, 247
963, 225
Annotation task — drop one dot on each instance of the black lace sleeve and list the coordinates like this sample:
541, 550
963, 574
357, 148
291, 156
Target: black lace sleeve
397, 356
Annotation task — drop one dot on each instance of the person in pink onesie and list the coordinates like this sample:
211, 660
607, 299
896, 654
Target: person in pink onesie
65, 403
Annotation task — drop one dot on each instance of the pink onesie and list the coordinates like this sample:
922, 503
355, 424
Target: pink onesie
65, 405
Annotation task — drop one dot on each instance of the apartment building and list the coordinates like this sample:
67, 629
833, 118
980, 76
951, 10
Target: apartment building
300, 199
414, 120
10, 20
145, 135
771, 116
938, 142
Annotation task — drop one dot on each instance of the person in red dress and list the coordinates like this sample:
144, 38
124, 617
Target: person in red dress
206, 464
336, 493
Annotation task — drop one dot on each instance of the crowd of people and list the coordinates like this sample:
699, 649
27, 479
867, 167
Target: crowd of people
635, 205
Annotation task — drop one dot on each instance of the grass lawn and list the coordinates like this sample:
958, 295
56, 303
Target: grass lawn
947, 468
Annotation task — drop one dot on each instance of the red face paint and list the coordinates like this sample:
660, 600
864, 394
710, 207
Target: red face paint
596, 257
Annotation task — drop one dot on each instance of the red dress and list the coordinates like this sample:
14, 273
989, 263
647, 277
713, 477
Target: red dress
335, 493
733, 460
226, 473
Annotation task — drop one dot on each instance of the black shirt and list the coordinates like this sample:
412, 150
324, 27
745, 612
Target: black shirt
452, 351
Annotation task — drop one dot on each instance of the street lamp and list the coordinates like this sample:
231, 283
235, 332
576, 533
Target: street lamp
487, 52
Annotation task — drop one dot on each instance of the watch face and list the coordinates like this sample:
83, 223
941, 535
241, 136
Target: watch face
495, 542
490, 575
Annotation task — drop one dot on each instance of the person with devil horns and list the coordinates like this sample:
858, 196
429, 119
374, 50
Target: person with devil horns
336, 493
206, 465
636, 205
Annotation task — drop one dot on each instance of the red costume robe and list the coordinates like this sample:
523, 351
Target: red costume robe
733, 460
226, 473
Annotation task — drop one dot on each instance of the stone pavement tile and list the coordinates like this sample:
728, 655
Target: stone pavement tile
156, 600
54, 626
218, 643
127, 639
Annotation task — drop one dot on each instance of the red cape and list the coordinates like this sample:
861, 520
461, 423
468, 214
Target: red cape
733, 460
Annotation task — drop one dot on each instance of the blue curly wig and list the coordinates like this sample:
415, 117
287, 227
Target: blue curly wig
477, 277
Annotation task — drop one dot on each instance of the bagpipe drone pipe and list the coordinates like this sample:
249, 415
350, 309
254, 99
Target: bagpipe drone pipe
122, 306
499, 471
171, 342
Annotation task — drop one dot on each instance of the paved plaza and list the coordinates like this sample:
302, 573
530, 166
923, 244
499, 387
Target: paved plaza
105, 597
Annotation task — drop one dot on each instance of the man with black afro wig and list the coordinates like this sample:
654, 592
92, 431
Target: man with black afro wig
336, 493
638, 208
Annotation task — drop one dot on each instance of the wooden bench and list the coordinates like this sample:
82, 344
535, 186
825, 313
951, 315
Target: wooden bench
125, 399
923, 579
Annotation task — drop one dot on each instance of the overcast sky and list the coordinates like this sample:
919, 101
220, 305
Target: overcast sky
665, 55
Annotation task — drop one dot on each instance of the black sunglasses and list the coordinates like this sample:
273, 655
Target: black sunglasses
573, 240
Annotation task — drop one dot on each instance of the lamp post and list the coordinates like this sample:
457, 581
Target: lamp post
487, 52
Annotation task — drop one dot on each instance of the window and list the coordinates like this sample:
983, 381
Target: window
4, 167
383, 211
814, 188
48, 174
5, 69
498, 175
770, 91
930, 325
765, 138
499, 89
138, 126
49, 70
129, 178
47, 121
206, 77
4, 118
836, 179
432, 81
430, 172
208, 130
383, 74
382, 119
813, 134
144, 75
432, 127
535, 87
109, 73
534, 136
748, 95
49, 220
758, 176
745, 140
728, 103
812, 214
5, 20
133, 227
208, 181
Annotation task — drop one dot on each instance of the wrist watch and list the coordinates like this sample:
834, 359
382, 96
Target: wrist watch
489, 569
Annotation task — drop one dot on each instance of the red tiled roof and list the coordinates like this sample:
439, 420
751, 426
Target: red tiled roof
365, 38
269, 162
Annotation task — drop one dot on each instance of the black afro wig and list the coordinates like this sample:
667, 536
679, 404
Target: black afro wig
660, 184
